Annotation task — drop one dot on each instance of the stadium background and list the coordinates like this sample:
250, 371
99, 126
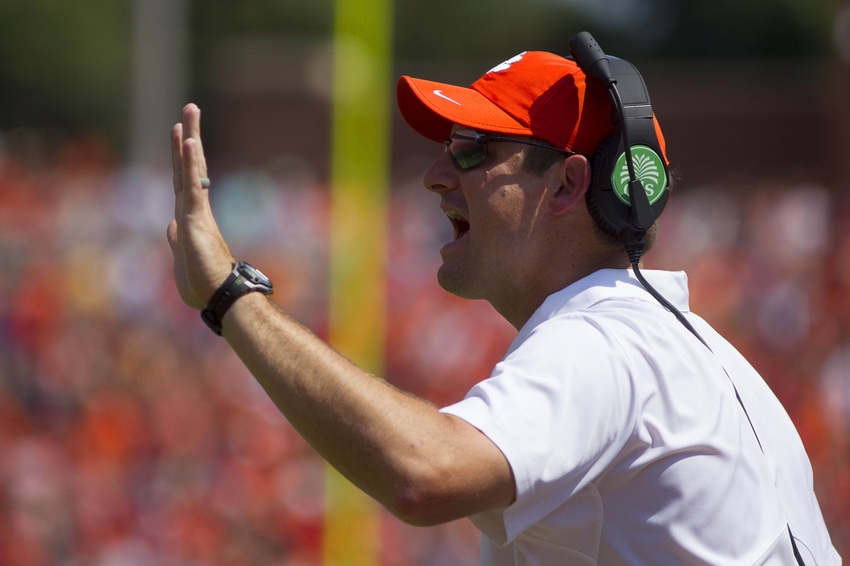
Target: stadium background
130, 434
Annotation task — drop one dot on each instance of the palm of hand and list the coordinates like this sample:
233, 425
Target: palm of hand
202, 259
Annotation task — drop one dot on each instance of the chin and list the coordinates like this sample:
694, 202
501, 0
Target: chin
456, 282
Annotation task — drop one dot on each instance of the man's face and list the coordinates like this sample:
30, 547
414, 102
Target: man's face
494, 208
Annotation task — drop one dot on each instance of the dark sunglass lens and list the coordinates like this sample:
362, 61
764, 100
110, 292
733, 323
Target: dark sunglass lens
466, 150
470, 157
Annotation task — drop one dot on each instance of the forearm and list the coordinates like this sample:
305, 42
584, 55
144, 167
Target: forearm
397, 448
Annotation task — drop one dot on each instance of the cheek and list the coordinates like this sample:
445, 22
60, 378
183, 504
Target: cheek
508, 206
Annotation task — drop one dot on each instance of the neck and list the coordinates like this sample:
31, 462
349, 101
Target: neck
519, 303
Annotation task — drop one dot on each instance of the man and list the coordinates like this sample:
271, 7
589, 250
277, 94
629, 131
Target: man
609, 434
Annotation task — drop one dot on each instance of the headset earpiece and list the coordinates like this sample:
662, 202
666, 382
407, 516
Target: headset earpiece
608, 196
591, 197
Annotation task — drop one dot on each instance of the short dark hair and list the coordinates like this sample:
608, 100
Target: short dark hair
538, 160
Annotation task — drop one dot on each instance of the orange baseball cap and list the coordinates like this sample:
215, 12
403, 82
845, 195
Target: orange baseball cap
535, 94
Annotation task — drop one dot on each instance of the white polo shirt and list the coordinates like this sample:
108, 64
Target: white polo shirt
629, 446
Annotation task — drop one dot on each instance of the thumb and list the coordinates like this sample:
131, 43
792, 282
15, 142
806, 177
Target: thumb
171, 234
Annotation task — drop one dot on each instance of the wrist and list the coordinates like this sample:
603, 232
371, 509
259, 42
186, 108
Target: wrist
241, 280
245, 308
217, 282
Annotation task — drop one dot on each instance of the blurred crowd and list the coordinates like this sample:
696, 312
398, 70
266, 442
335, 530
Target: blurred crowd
131, 435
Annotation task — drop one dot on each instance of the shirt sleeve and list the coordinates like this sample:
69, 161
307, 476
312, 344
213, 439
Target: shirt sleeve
560, 407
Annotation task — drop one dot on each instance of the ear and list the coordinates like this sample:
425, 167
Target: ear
573, 176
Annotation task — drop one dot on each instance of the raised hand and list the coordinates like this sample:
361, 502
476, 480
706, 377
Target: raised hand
202, 259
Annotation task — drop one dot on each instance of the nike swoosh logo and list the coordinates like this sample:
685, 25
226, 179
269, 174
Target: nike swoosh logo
441, 95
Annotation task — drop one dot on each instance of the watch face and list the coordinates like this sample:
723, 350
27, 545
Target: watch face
255, 275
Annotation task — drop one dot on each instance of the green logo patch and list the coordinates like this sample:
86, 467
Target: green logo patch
649, 168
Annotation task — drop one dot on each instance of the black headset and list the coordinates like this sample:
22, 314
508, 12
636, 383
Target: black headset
630, 162
630, 179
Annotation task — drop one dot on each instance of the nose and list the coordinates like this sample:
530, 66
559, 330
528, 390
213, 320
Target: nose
442, 175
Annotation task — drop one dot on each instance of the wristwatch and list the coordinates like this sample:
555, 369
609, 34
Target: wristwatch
243, 279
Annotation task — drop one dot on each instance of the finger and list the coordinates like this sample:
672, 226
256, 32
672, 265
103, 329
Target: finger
177, 156
192, 129
193, 194
177, 166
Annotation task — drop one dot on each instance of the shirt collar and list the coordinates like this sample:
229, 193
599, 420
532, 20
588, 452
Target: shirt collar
607, 284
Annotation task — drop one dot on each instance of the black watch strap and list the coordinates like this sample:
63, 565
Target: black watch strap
243, 279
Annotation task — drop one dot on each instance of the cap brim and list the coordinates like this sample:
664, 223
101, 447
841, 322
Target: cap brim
432, 109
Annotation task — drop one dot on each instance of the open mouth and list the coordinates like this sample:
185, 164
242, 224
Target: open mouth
459, 223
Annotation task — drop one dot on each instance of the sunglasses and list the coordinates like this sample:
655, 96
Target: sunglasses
469, 148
